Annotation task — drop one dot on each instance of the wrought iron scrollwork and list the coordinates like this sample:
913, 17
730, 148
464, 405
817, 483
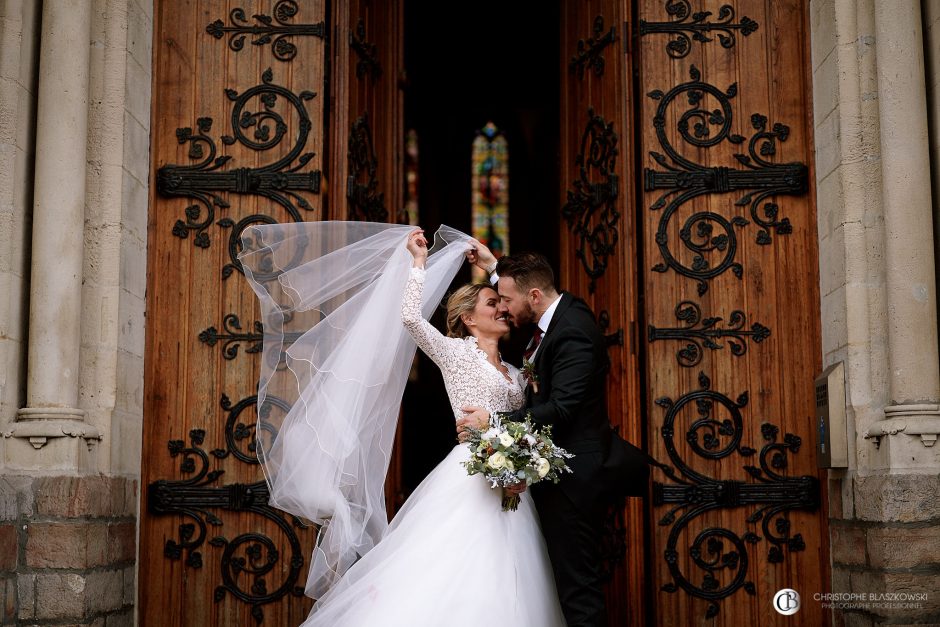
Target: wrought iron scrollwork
250, 562
705, 336
687, 26
589, 50
612, 339
591, 208
237, 432
366, 53
276, 31
207, 181
365, 201
232, 337
721, 554
706, 233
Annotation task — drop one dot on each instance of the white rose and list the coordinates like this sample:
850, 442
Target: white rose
505, 439
496, 461
542, 467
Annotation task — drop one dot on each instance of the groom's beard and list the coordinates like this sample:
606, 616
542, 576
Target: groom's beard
526, 318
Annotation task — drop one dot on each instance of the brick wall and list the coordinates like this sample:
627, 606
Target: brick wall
67, 550
889, 544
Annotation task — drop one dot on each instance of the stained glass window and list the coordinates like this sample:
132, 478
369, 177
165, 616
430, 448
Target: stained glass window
490, 191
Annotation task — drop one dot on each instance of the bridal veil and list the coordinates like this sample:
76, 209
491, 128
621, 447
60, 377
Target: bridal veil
334, 364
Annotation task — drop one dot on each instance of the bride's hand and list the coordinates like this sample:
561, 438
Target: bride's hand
418, 247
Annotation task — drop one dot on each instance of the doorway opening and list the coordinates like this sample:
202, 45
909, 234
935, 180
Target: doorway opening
488, 62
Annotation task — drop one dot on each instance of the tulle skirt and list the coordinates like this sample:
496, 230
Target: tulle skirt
452, 557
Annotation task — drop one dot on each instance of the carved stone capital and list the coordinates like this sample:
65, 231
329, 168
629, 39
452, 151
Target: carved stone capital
911, 420
38, 424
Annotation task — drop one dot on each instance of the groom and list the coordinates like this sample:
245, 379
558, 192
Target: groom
570, 362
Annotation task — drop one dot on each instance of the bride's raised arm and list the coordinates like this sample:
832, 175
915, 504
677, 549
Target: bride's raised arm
426, 336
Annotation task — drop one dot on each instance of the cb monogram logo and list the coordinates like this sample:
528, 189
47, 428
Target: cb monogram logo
787, 601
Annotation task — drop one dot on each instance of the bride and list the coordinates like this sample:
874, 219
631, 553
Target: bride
451, 555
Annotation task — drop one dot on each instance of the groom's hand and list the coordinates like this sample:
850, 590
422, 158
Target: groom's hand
475, 418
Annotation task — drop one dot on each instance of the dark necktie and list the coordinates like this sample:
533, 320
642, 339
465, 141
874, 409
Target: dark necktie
534, 344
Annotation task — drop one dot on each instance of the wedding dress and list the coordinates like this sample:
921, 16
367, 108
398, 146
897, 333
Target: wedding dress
333, 368
451, 556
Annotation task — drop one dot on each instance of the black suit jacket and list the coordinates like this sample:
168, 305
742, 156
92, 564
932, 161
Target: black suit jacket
572, 365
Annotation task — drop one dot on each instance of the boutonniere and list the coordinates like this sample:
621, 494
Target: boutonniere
530, 375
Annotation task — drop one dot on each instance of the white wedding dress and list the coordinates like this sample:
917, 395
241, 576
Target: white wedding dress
451, 556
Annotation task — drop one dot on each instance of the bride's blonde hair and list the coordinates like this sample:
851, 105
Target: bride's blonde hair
461, 302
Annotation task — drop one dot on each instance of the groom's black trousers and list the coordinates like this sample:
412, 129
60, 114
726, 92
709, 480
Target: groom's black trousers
572, 536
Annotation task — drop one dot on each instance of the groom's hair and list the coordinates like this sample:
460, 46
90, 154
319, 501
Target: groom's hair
528, 270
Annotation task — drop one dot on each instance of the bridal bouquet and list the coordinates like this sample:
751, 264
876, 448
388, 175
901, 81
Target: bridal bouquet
510, 452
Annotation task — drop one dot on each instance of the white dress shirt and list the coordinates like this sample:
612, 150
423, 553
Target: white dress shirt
546, 320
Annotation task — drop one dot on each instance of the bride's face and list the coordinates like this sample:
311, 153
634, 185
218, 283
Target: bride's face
486, 319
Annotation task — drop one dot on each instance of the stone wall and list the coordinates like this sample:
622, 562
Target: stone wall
69, 510
931, 16
19, 61
872, 191
115, 280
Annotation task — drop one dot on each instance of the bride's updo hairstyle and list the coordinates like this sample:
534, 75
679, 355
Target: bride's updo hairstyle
462, 301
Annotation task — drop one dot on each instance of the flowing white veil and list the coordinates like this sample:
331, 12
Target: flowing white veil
334, 365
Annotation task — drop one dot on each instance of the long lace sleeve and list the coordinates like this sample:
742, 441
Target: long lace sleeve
428, 338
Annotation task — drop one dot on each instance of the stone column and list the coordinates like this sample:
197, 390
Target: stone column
57, 229
912, 418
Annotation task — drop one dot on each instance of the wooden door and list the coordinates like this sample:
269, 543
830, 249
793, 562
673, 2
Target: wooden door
731, 305
367, 149
598, 245
246, 128
690, 228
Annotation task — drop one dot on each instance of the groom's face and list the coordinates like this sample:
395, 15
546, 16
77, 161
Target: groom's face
513, 304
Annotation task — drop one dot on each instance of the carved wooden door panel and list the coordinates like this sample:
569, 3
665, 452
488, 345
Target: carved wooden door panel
247, 128
598, 244
690, 229
732, 338
367, 122
367, 111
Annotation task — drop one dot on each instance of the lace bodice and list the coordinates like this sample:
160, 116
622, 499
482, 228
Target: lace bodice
469, 378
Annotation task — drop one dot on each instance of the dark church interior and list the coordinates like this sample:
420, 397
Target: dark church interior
479, 62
